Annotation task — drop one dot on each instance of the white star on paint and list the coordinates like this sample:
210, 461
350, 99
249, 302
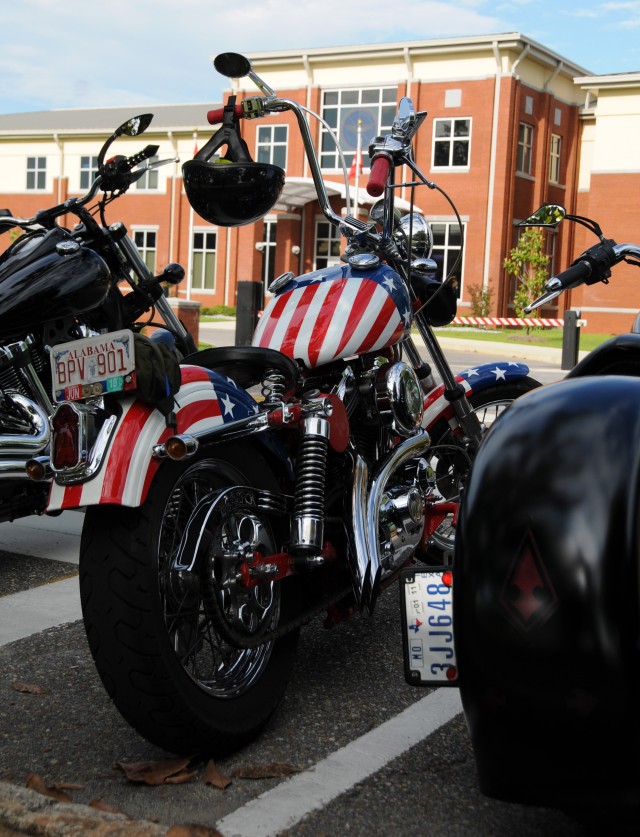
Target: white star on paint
228, 405
389, 284
512, 363
406, 316
499, 373
470, 372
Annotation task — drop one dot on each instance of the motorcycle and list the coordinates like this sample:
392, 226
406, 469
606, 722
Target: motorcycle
545, 579
60, 289
328, 460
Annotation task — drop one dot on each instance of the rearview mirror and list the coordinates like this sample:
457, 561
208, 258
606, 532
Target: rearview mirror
548, 215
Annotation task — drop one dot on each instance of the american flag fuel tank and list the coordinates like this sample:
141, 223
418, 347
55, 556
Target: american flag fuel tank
334, 313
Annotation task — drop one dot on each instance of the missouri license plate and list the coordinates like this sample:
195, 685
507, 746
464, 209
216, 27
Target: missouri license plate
93, 366
427, 627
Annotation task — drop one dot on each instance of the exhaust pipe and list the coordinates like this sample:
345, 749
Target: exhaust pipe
25, 444
366, 503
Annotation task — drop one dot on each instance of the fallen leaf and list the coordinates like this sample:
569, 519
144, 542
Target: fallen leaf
103, 806
37, 783
29, 688
270, 770
192, 831
213, 776
67, 786
169, 772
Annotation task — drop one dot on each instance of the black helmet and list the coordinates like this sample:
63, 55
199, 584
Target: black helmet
230, 190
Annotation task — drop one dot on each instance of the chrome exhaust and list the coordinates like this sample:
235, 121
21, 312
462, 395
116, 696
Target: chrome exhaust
367, 500
27, 444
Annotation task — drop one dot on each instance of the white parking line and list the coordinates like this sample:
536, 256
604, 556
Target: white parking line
285, 805
34, 610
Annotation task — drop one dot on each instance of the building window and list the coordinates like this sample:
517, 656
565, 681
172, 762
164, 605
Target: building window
371, 109
525, 147
271, 146
145, 241
451, 143
88, 172
447, 245
203, 261
554, 158
328, 243
149, 179
268, 253
36, 172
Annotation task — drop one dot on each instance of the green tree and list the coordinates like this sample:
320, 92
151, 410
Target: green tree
528, 263
480, 300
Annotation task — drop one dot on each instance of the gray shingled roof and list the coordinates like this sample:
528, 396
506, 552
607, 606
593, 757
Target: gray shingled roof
104, 120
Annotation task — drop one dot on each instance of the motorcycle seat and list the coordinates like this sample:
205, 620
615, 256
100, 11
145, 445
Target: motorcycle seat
247, 365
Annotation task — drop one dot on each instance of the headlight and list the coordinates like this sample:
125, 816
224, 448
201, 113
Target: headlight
414, 232
399, 396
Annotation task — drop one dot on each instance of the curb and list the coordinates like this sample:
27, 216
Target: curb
24, 811
505, 350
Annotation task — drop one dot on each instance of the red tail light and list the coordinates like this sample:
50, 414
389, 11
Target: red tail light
67, 442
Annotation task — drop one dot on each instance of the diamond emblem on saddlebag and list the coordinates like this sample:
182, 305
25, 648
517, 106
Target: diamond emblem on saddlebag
528, 595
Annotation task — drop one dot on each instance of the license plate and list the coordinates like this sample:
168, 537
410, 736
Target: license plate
93, 366
426, 603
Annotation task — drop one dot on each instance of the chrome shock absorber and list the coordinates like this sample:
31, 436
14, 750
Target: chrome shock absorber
273, 385
308, 519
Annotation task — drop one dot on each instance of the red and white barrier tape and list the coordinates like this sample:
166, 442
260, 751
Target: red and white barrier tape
512, 321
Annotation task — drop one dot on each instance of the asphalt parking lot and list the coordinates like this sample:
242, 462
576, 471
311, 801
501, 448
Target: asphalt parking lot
352, 750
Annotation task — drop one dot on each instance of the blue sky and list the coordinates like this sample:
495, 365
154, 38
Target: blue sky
79, 53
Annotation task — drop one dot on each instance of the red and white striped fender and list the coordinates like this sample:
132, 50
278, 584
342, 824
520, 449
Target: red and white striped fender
205, 399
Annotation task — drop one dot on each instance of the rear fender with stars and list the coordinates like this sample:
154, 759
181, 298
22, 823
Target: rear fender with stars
474, 379
205, 399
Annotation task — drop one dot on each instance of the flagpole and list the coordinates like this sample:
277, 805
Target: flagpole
358, 165
190, 243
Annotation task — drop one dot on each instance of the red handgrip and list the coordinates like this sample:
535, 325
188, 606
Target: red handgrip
379, 175
215, 117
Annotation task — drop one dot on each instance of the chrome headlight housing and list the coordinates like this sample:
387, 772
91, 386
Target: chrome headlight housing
414, 236
399, 397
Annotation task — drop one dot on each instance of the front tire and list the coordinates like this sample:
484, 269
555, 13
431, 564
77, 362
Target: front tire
450, 459
160, 643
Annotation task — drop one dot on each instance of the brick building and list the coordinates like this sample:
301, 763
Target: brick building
510, 125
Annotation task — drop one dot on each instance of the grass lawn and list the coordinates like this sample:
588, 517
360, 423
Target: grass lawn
548, 337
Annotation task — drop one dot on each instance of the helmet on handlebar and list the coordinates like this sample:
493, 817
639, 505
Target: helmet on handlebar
232, 190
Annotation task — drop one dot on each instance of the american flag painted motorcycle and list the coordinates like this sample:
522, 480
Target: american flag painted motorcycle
303, 472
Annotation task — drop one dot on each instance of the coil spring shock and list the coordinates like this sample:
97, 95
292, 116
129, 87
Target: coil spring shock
308, 520
273, 385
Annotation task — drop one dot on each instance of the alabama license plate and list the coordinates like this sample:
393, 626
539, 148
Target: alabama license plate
427, 627
93, 366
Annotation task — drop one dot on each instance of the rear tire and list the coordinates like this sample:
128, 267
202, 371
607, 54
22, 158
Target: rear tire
157, 644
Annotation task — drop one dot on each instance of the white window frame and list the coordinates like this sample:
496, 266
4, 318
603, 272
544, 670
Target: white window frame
145, 248
267, 147
378, 115
90, 169
555, 158
204, 250
269, 240
451, 140
450, 251
149, 182
524, 157
38, 170
334, 244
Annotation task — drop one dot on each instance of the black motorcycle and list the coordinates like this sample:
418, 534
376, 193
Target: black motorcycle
58, 286
546, 581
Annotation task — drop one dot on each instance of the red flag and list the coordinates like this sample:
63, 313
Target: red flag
356, 165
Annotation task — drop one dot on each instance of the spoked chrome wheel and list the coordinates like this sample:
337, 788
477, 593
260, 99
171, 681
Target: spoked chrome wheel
209, 614
184, 649
450, 460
